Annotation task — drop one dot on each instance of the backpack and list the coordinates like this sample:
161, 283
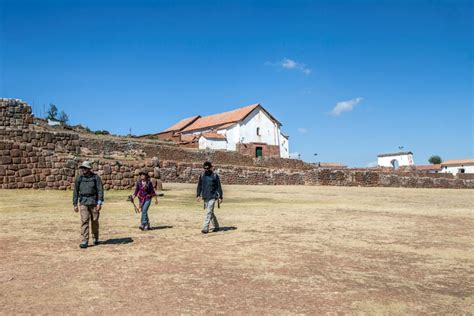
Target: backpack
94, 178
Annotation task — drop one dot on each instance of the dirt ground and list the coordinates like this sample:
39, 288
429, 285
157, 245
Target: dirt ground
283, 250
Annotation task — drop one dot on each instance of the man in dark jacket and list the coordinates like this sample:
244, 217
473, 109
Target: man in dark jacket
89, 193
210, 190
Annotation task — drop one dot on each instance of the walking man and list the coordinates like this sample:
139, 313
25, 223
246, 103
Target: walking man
210, 190
89, 193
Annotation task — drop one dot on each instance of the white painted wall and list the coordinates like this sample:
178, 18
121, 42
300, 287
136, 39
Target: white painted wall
216, 144
232, 135
454, 169
269, 131
284, 147
403, 160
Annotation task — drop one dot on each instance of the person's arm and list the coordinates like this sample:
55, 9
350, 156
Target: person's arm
219, 188
136, 190
151, 190
199, 188
100, 192
75, 195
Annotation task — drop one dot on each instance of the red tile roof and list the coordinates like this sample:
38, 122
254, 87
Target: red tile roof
182, 124
225, 125
217, 120
458, 162
429, 167
213, 135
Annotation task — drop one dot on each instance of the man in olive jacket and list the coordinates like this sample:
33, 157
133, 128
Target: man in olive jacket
89, 193
210, 190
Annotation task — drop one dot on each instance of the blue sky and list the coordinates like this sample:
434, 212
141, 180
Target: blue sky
348, 79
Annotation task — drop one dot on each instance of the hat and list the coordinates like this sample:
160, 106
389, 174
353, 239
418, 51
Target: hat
86, 164
144, 173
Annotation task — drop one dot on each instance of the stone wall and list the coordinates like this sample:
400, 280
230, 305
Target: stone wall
250, 149
31, 167
15, 113
95, 146
43, 159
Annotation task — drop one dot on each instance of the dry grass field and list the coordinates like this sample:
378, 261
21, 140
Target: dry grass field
284, 250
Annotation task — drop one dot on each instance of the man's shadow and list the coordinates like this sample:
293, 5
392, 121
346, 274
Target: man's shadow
160, 227
117, 241
226, 228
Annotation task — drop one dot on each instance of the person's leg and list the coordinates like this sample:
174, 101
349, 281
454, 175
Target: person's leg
209, 206
95, 223
214, 221
142, 217
144, 220
85, 216
147, 217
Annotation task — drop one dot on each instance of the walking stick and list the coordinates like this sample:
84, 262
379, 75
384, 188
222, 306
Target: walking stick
130, 199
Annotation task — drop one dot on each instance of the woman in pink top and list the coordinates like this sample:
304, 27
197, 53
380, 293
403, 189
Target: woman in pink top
145, 191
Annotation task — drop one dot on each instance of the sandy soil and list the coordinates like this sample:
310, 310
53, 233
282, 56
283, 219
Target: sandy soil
283, 250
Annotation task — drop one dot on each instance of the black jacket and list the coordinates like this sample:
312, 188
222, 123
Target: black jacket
88, 190
209, 186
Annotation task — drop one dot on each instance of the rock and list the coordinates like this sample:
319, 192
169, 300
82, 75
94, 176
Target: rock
107, 169
155, 162
24, 172
71, 164
29, 179
5, 160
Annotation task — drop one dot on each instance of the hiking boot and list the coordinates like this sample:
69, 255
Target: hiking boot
83, 244
141, 227
215, 230
204, 231
146, 227
95, 242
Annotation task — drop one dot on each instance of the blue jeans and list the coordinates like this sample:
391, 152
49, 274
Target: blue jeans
145, 219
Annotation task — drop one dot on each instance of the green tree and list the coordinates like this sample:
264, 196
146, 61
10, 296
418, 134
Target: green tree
102, 132
63, 118
435, 160
52, 112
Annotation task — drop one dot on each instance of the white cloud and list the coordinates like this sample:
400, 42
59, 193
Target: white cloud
302, 130
345, 106
290, 64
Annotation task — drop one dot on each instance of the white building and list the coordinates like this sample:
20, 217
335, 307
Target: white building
212, 141
395, 160
458, 166
250, 130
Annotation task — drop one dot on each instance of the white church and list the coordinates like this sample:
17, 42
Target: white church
250, 130
396, 160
